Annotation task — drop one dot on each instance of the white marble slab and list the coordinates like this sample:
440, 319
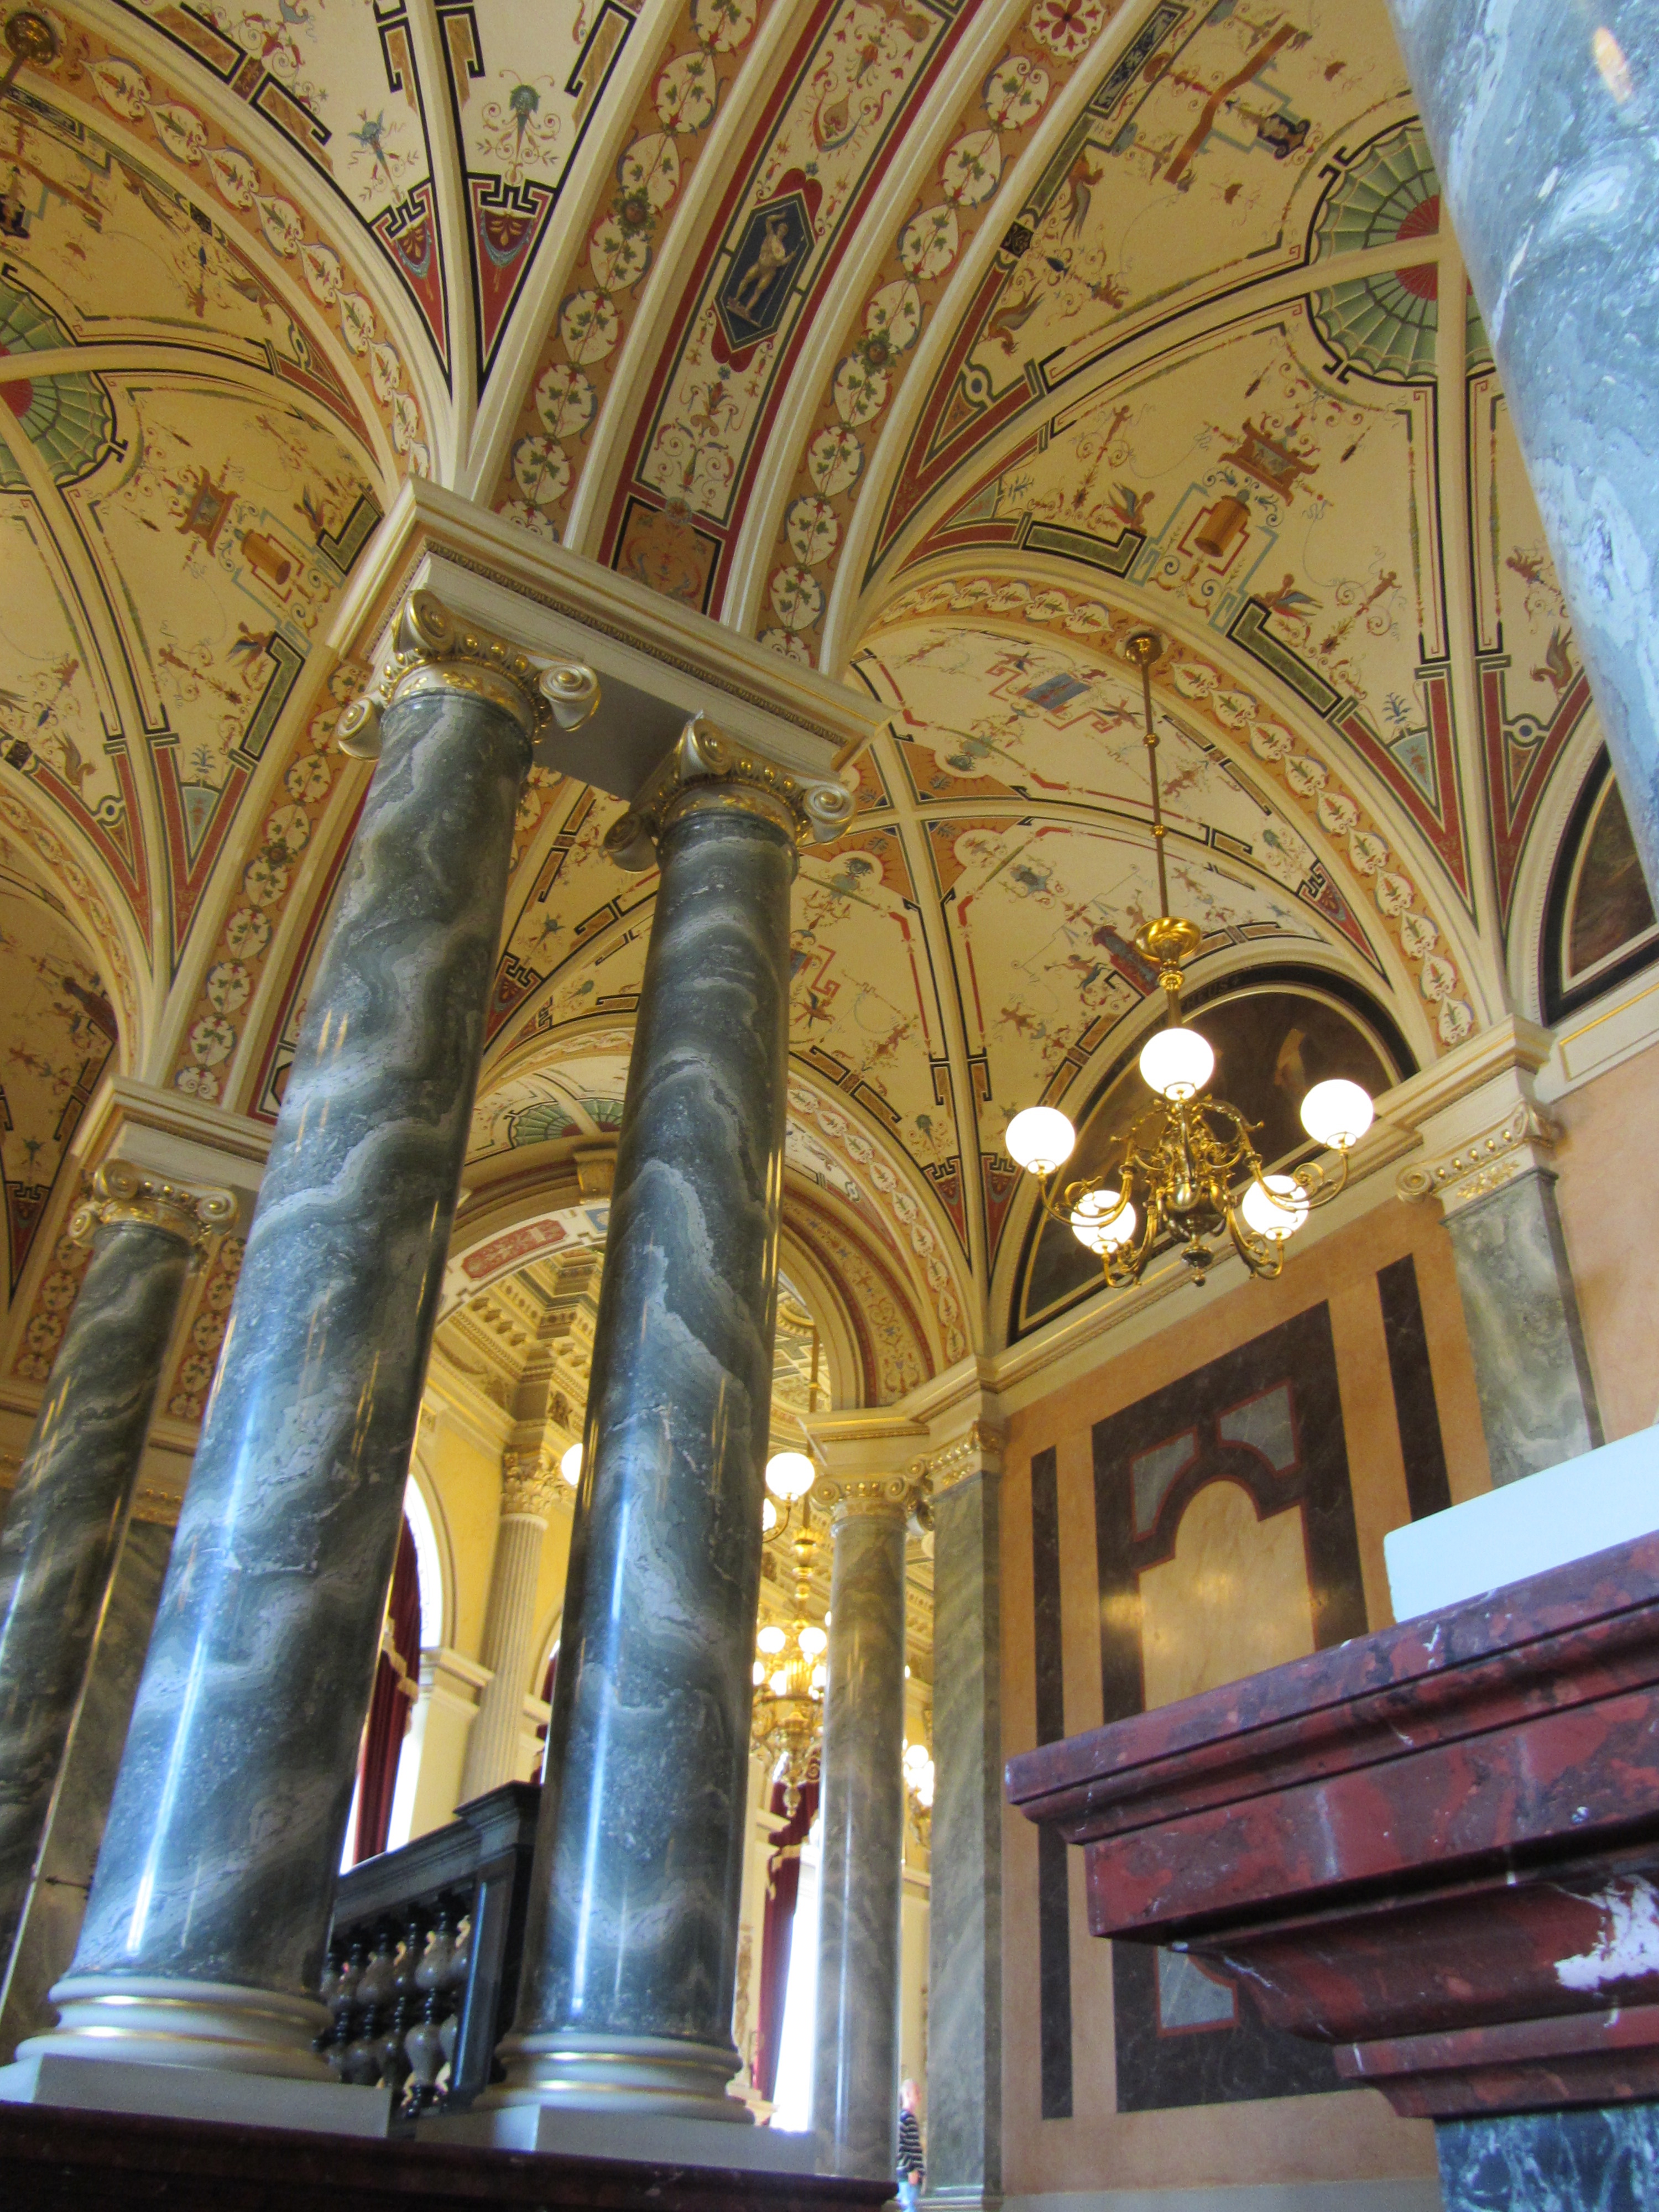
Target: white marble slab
1568, 1512
194, 2092
655, 2138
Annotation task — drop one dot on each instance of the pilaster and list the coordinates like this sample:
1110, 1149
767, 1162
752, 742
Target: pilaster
1488, 1156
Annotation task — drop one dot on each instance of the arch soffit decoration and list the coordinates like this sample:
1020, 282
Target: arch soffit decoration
140, 92
1298, 776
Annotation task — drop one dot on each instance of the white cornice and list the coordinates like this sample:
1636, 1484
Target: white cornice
659, 663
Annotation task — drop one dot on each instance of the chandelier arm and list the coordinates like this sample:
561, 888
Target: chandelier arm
1262, 1256
1318, 1183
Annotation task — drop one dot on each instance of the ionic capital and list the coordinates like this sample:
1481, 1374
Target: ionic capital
870, 1497
705, 770
432, 652
529, 1485
1524, 1138
121, 1192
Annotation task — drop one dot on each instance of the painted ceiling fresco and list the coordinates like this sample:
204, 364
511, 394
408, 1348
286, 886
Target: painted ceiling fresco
937, 345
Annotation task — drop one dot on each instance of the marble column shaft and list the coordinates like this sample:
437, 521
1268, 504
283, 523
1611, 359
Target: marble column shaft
630, 1957
964, 1865
68, 1516
1544, 121
224, 1837
492, 1747
57, 1901
860, 1896
1531, 1369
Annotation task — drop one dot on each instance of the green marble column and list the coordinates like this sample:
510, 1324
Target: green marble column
68, 1512
204, 1932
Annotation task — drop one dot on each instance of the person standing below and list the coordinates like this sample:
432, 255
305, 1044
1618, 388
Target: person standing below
912, 2165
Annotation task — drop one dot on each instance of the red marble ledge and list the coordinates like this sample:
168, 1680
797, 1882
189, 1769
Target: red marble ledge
1438, 1846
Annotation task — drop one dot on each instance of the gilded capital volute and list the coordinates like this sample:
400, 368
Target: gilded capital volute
121, 1192
706, 771
432, 651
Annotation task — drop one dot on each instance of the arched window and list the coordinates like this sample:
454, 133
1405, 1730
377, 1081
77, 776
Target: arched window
1599, 923
397, 1685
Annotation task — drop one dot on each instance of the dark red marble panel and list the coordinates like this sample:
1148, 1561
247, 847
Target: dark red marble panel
1584, 1632
1597, 2058
1438, 1846
63, 2162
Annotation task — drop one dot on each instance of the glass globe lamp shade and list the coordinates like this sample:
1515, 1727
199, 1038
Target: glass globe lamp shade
781, 1683
789, 1475
1176, 1062
570, 1465
1103, 1220
769, 1516
820, 1679
1039, 1139
1337, 1113
812, 1641
770, 1640
760, 1673
1275, 1207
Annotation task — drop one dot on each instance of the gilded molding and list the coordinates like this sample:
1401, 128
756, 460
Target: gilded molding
121, 1192
977, 1451
1522, 1139
706, 770
432, 652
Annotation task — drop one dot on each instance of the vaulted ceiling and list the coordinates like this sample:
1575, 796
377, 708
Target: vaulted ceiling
938, 346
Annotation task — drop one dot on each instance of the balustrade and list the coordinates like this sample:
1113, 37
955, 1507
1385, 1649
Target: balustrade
423, 1971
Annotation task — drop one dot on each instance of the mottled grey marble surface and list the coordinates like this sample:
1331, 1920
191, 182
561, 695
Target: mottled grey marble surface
1531, 1369
57, 1895
1584, 2161
68, 1513
639, 1862
1544, 120
224, 1837
861, 1894
964, 1918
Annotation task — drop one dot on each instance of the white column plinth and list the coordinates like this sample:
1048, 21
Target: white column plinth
194, 2092
647, 2137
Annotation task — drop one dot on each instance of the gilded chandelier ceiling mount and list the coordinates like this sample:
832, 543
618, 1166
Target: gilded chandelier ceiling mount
1187, 1169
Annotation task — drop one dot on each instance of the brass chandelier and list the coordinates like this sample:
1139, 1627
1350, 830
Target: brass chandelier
1187, 1166
789, 1669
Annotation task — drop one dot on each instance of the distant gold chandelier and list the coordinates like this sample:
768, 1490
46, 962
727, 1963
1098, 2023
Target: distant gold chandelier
789, 1671
1187, 1166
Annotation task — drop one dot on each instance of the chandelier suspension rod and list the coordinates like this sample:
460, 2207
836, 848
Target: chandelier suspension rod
1151, 763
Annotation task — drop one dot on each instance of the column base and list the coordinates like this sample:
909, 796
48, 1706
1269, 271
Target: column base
657, 2075
216, 2026
640, 2137
84, 2084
